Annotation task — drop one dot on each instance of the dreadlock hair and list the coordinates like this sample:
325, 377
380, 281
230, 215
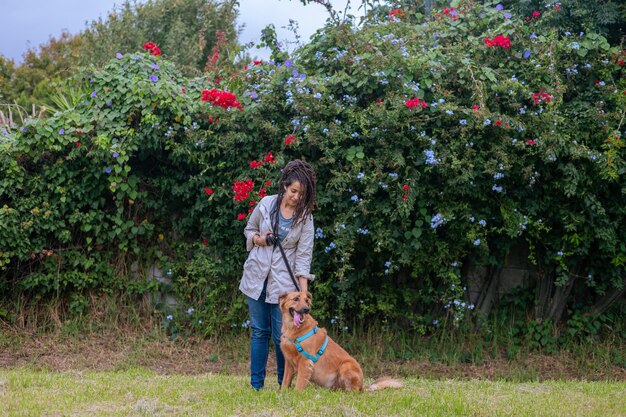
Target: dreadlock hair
302, 172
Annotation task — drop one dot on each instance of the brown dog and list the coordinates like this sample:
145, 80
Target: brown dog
313, 355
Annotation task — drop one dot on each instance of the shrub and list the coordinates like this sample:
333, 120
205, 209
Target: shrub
438, 146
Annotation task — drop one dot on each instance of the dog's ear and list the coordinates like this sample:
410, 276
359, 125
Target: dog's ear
308, 294
282, 297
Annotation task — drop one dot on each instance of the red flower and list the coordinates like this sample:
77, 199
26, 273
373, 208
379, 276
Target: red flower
502, 41
290, 139
268, 183
223, 99
255, 164
208, 191
536, 14
205, 242
596, 82
540, 96
152, 48
451, 13
77, 144
530, 142
379, 101
242, 189
396, 13
475, 107
405, 187
262, 192
404, 197
620, 62
257, 62
498, 122
183, 89
415, 102
242, 216
269, 158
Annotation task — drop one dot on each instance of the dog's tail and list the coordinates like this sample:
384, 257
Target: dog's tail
384, 382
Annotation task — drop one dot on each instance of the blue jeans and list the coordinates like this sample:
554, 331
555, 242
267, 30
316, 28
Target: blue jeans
265, 321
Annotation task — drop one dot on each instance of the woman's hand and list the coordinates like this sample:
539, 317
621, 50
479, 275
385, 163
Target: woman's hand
261, 240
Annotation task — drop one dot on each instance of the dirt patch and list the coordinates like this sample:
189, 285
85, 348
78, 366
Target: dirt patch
119, 351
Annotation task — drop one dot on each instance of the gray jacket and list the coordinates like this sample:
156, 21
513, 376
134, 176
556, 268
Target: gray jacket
267, 261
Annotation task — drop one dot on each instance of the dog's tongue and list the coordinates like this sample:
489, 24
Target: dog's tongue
298, 319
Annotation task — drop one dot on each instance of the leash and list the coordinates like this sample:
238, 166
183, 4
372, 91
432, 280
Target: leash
306, 354
282, 251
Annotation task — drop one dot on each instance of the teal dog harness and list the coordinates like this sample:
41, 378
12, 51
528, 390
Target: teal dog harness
304, 352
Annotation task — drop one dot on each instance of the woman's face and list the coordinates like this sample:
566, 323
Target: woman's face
293, 193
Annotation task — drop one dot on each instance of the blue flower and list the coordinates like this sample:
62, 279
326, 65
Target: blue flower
507, 15
482, 222
154, 78
499, 7
527, 54
107, 170
155, 67
115, 154
169, 317
330, 247
437, 221
463, 122
476, 242
253, 95
319, 233
61, 131
118, 55
93, 94
190, 311
288, 63
430, 157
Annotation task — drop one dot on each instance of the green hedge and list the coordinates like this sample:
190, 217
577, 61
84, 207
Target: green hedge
438, 146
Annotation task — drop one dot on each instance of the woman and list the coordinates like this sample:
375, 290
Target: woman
286, 217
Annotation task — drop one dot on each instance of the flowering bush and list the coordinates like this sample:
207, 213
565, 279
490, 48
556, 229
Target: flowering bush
435, 153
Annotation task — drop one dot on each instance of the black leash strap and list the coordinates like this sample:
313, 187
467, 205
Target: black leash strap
282, 251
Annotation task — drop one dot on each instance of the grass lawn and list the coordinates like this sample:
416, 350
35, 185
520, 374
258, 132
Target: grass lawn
141, 392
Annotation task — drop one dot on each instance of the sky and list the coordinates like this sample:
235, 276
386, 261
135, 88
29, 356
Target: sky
27, 24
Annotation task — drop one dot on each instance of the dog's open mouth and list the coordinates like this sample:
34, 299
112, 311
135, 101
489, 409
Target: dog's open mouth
298, 317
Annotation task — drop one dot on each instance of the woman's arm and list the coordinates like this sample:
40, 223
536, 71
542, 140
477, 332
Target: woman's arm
253, 227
